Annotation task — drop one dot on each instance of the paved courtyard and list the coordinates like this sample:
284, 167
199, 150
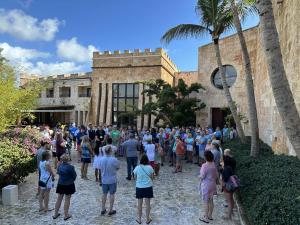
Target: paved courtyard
176, 202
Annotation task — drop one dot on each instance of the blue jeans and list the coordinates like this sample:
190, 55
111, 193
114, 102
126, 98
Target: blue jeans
131, 163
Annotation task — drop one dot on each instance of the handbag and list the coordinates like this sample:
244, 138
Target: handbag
43, 184
233, 183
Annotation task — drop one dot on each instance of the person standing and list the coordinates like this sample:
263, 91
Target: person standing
115, 135
46, 181
131, 148
180, 153
229, 165
144, 175
189, 141
109, 166
150, 152
65, 186
86, 155
39, 155
79, 137
208, 187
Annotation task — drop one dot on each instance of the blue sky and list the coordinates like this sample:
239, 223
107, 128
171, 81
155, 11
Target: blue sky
58, 36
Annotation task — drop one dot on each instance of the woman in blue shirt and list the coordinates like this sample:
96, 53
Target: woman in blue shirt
144, 175
65, 186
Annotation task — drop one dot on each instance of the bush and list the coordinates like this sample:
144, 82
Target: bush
271, 195
15, 163
17, 150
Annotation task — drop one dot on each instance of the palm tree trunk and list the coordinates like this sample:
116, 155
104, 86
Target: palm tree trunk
281, 89
227, 92
249, 84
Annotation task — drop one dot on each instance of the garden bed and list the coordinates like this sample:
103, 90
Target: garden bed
271, 192
17, 150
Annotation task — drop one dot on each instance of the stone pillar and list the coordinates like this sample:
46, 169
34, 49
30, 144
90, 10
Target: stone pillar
102, 104
146, 117
109, 105
140, 106
153, 99
72, 117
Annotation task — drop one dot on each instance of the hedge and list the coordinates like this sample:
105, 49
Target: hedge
271, 191
15, 163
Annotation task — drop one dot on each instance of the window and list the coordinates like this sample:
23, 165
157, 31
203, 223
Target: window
49, 92
65, 92
84, 91
230, 76
125, 101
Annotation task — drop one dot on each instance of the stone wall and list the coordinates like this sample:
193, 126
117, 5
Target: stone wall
126, 67
270, 124
81, 104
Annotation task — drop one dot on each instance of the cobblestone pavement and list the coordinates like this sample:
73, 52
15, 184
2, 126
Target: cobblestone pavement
176, 202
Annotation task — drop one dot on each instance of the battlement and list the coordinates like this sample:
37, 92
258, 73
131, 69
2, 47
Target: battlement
27, 77
135, 53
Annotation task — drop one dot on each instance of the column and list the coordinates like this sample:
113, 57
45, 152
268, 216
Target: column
109, 104
102, 104
146, 116
140, 106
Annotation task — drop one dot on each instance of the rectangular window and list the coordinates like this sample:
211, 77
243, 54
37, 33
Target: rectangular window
65, 92
84, 91
124, 101
50, 93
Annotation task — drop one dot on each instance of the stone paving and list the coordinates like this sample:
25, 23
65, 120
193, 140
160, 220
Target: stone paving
176, 202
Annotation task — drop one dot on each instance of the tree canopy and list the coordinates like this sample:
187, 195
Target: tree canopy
15, 101
172, 105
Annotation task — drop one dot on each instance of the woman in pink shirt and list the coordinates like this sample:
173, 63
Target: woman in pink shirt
208, 177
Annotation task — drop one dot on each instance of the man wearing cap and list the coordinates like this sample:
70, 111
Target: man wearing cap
131, 147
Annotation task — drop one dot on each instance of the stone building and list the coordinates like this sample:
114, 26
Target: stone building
115, 88
271, 129
113, 92
66, 99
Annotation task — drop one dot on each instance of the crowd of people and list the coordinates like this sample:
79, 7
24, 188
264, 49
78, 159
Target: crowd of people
103, 146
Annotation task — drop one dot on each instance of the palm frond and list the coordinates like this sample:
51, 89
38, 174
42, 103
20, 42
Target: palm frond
183, 31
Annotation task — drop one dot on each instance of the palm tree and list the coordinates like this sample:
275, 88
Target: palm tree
281, 89
247, 6
216, 18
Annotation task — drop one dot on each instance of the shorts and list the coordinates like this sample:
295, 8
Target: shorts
201, 153
86, 160
144, 192
65, 189
179, 157
111, 188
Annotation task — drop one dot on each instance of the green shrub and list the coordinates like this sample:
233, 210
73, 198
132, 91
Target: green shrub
15, 163
271, 195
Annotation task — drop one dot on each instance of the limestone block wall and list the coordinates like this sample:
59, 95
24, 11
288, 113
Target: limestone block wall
270, 124
125, 67
231, 55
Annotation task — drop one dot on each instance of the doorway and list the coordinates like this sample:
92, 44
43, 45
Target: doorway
218, 117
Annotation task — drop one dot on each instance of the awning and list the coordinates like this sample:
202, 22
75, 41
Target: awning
53, 108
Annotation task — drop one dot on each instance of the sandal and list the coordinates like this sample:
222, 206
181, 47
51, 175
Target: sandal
55, 216
149, 221
139, 222
68, 217
202, 219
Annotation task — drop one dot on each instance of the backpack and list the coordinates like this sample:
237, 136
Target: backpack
233, 183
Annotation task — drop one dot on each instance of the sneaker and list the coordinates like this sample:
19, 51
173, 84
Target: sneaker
128, 178
103, 212
113, 212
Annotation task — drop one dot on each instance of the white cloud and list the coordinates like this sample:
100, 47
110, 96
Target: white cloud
23, 60
22, 26
18, 54
42, 68
72, 50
